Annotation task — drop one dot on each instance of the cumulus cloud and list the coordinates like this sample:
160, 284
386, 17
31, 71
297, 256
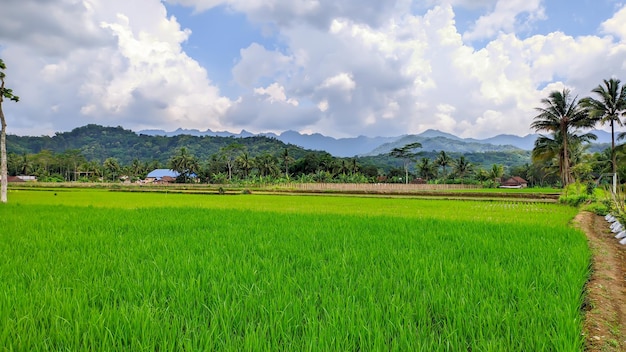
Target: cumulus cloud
340, 68
132, 72
318, 13
615, 24
416, 71
275, 93
506, 17
257, 62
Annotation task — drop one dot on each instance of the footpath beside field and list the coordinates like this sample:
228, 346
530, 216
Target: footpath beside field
605, 322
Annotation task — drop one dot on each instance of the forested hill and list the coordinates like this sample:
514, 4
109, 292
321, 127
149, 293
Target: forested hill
98, 143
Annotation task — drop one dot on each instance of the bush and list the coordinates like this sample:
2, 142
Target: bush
577, 194
575, 199
599, 208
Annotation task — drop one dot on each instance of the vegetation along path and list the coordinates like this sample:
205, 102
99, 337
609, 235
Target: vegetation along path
605, 323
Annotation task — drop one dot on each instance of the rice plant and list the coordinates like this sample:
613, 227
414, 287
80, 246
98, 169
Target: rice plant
93, 270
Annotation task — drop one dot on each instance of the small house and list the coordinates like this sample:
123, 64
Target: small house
514, 182
162, 176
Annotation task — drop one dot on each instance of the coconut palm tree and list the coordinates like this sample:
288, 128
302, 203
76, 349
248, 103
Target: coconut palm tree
462, 167
245, 163
551, 148
562, 115
427, 169
184, 163
287, 160
443, 160
608, 108
496, 173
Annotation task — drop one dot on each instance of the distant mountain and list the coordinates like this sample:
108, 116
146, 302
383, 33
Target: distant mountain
443, 143
357, 146
430, 133
197, 133
526, 143
342, 147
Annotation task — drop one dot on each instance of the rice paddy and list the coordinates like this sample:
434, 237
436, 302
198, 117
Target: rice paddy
98, 270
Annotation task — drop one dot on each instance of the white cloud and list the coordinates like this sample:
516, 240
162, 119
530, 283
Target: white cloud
138, 76
275, 93
342, 81
257, 62
416, 72
615, 25
318, 13
505, 18
341, 68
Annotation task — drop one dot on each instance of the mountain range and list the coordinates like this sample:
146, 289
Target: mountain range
431, 140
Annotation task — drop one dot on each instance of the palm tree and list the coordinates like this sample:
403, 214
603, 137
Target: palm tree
443, 160
462, 167
112, 168
496, 173
184, 163
245, 163
287, 160
426, 169
563, 116
548, 149
267, 164
610, 107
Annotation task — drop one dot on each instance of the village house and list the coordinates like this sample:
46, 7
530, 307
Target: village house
162, 176
514, 182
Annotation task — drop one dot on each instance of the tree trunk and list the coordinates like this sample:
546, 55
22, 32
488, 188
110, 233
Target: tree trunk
565, 177
406, 173
3, 156
613, 159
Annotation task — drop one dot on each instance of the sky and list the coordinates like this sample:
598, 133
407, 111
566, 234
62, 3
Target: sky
342, 68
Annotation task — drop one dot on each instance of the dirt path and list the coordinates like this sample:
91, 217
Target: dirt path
605, 306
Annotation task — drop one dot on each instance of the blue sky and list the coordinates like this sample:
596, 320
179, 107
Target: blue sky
475, 68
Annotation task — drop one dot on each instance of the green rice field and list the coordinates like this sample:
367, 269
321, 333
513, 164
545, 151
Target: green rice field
99, 270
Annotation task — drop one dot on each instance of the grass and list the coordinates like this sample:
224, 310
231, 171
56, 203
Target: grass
98, 270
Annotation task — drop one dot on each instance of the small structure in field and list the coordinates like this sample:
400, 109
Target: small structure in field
514, 182
21, 178
162, 176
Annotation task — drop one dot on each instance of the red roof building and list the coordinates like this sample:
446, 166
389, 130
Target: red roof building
514, 182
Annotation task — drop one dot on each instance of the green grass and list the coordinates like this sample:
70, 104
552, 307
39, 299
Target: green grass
98, 270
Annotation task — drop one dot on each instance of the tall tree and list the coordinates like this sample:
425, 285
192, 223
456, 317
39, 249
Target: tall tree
462, 167
496, 173
563, 115
549, 150
287, 160
112, 169
267, 164
608, 108
184, 163
5, 93
407, 154
229, 153
427, 169
443, 160
245, 163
